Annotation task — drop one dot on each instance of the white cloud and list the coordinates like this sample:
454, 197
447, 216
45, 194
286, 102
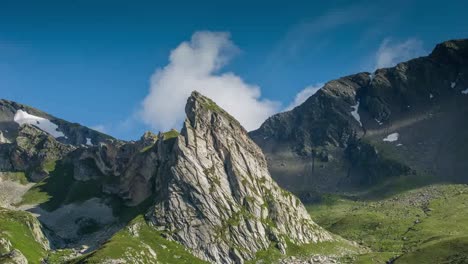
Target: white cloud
303, 95
390, 53
195, 65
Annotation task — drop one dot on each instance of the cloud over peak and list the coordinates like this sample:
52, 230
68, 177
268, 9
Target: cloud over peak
303, 95
195, 65
390, 53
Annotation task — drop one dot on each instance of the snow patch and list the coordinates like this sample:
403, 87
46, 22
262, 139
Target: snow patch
355, 113
453, 84
392, 137
399, 145
465, 91
22, 117
88, 142
3, 139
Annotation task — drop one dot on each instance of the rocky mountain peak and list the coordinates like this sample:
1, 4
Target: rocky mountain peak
350, 118
215, 195
200, 109
452, 51
148, 135
148, 139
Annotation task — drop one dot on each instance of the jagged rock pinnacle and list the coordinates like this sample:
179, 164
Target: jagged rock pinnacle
215, 194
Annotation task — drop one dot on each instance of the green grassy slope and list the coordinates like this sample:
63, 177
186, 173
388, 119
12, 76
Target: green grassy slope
338, 249
18, 228
17, 176
60, 188
451, 250
140, 243
432, 218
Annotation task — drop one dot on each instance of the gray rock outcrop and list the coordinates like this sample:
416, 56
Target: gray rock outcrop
215, 195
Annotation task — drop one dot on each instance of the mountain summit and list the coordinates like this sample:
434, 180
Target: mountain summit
215, 195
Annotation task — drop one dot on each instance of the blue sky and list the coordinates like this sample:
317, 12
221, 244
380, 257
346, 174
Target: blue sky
92, 61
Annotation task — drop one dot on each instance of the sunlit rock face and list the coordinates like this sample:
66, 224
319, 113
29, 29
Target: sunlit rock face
215, 195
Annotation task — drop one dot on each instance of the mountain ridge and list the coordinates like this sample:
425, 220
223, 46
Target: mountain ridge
73, 133
206, 188
323, 142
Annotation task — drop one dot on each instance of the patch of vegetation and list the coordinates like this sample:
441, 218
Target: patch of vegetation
61, 188
208, 104
146, 148
270, 255
338, 248
369, 258
16, 176
49, 166
60, 256
170, 134
237, 217
209, 171
35, 195
454, 250
140, 242
16, 227
397, 185
401, 225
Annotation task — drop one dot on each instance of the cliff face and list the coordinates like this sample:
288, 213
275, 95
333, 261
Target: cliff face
214, 193
207, 188
32, 142
335, 141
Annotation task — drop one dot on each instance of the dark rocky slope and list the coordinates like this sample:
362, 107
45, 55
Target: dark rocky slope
325, 145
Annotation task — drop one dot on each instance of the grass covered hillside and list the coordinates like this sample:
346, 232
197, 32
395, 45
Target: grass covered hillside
425, 225
139, 243
21, 238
